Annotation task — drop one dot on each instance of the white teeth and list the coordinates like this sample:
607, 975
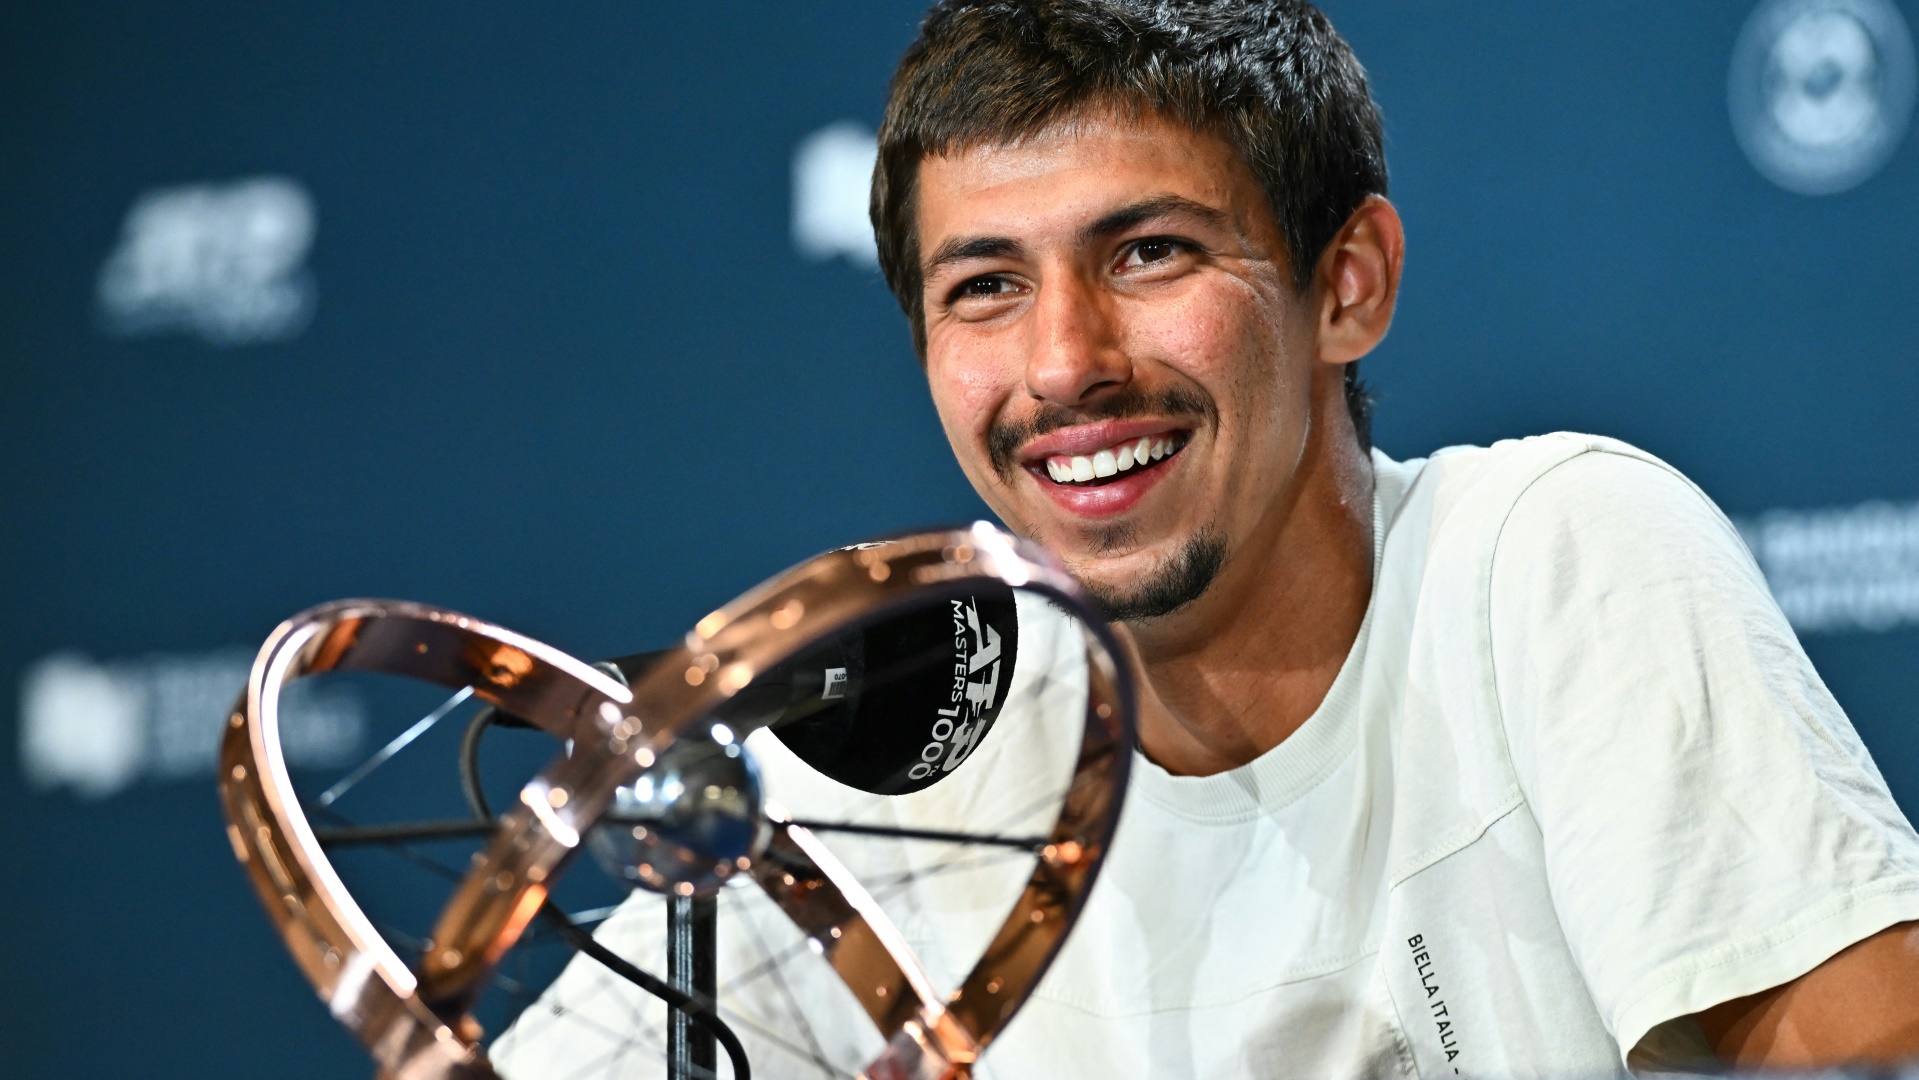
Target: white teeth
1109, 462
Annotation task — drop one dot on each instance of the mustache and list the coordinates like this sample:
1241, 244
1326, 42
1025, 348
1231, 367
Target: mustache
1005, 437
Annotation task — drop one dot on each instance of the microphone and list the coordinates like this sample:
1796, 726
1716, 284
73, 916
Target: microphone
891, 707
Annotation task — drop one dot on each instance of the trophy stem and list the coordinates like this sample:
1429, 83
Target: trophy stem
692, 933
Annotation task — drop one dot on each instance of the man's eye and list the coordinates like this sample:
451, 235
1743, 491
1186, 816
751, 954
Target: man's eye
983, 287
1157, 249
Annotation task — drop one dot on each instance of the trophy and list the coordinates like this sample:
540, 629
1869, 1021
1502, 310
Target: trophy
853, 815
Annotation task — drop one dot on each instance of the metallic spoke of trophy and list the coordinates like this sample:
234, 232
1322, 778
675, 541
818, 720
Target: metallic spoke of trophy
840, 830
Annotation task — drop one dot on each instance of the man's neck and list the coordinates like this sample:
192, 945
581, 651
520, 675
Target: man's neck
1240, 669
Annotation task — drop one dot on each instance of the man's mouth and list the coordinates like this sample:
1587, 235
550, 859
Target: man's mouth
1115, 462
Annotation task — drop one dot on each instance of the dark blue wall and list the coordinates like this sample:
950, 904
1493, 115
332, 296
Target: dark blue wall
567, 371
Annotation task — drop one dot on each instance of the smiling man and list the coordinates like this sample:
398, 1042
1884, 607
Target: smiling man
1501, 762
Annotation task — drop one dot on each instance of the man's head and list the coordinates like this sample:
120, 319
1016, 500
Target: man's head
1119, 222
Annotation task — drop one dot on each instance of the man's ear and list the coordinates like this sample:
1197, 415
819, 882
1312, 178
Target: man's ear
1357, 281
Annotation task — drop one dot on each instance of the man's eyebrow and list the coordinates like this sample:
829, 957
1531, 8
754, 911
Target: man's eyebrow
963, 248
1158, 206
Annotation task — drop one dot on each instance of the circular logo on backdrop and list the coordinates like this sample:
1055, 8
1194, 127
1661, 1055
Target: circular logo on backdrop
1821, 91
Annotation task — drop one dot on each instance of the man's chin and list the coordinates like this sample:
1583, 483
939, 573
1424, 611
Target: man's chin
1162, 586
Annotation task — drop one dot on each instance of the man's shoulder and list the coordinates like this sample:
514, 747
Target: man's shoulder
1551, 515
1469, 494
1507, 467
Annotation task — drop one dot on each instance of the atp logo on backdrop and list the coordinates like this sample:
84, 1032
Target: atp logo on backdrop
1821, 91
225, 262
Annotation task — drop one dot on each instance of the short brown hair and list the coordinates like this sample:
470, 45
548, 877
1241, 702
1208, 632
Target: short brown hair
1271, 77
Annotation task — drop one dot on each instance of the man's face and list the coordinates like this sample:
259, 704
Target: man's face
1116, 351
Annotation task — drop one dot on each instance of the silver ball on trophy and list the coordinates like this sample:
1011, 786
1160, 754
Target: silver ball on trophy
688, 823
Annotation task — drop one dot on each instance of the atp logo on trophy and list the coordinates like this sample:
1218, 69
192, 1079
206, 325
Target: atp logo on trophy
1821, 91
958, 725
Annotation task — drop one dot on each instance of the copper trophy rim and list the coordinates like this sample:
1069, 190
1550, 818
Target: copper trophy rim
416, 1020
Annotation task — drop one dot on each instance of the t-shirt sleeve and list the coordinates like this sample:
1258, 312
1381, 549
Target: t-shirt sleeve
1713, 826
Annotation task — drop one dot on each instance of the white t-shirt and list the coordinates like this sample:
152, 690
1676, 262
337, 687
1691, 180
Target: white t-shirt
1576, 780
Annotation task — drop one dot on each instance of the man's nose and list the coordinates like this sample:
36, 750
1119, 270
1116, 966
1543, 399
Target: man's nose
1076, 348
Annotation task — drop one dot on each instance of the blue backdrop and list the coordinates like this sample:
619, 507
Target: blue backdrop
552, 315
